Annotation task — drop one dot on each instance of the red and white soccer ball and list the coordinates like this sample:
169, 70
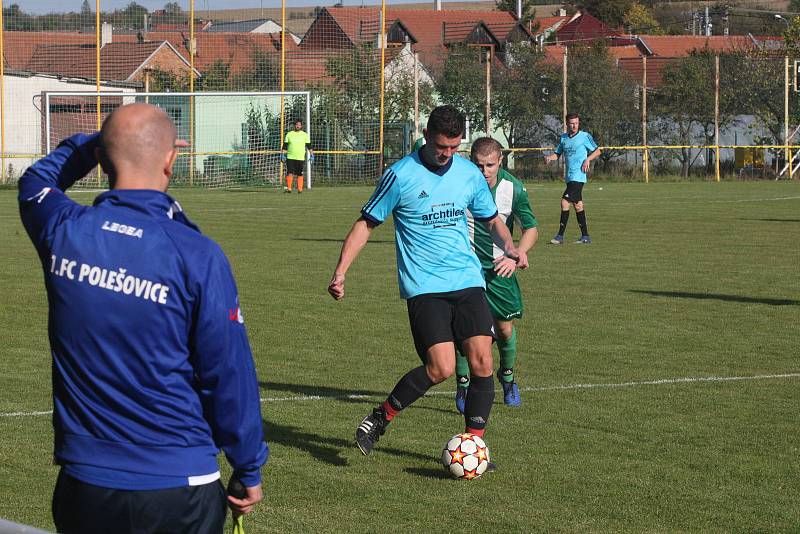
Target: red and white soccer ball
465, 456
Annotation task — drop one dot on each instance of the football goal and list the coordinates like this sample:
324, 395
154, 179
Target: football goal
235, 137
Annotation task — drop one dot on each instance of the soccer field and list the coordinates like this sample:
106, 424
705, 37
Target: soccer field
658, 367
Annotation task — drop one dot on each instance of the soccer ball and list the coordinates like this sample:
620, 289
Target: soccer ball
465, 456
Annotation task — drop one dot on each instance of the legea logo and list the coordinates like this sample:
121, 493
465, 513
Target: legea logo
123, 229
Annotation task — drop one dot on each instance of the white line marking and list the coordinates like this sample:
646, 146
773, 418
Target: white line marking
661, 382
25, 414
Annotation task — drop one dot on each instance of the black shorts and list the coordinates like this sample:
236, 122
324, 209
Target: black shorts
295, 166
452, 316
81, 508
574, 192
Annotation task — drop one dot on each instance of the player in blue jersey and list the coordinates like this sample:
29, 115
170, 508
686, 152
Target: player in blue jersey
428, 193
579, 149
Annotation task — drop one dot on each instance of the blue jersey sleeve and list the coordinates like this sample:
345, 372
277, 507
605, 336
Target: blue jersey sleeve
589, 143
42, 202
225, 372
560, 148
482, 207
383, 200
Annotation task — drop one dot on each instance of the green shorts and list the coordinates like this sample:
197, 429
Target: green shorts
504, 296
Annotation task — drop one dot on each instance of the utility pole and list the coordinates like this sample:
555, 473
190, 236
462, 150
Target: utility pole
707, 23
725, 21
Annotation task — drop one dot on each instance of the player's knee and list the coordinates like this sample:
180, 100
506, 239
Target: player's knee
505, 330
480, 363
440, 371
579, 205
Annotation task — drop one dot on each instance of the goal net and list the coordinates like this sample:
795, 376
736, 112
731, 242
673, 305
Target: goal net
235, 137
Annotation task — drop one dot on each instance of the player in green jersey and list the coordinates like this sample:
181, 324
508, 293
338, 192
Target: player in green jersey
505, 298
293, 153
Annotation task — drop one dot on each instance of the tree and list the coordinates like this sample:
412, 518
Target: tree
528, 8
524, 95
216, 78
640, 19
87, 15
263, 74
131, 17
354, 94
14, 19
605, 98
256, 140
173, 8
612, 12
462, 82
753, 85
398, 100
791, 36
683, 107
162, 81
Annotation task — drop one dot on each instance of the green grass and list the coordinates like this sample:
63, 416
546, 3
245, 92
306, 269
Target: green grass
683, 280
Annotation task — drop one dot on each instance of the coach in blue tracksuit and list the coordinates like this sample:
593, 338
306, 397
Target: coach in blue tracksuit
152, 369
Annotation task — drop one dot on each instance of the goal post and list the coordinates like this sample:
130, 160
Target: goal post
235, 137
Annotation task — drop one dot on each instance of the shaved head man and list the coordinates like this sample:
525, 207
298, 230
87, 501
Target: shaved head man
152, 368
139, 147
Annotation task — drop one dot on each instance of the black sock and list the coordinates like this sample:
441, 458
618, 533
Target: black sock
411, 387
479, 401
581, 216
562, 227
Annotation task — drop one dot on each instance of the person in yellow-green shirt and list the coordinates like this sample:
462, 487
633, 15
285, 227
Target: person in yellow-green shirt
293, 152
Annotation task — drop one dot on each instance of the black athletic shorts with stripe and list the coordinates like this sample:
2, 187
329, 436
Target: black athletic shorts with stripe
574, 192
451, 316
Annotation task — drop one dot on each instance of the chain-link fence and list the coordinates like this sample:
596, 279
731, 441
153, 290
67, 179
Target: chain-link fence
720, 111
332, 56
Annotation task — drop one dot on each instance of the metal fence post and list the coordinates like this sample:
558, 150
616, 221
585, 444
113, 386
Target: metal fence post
646, 153
716, 117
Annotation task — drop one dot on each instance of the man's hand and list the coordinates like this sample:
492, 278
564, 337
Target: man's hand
245, 505
585, 166
523, 262
336, 286
550, 157
505, 266
283, 157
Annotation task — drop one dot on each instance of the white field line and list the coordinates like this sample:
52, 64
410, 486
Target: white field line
627, 202
631, 201
617, 385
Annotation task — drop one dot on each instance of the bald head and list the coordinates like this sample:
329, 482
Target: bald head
138, 147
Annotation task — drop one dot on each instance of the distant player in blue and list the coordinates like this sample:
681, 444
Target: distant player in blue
579, 149
428, 192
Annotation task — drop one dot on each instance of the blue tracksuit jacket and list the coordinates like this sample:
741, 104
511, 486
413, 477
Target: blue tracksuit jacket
152, 369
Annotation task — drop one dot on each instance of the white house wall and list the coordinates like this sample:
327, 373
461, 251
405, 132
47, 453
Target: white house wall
22, 112
403, 63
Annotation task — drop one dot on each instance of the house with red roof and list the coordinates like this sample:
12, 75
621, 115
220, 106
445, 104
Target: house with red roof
119, 62
661, 50
545, 27
427, 32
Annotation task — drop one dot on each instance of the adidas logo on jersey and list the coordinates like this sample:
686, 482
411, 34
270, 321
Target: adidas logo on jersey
423, 194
